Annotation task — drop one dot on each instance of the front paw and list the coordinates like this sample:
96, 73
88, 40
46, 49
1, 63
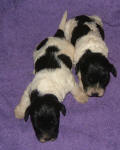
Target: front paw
19, 114
82, 98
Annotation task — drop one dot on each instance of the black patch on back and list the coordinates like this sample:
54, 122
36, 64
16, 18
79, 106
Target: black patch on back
52, 49
59, 34
66, 60
78, 32
101, 31
81, 29
42, 44
82, 19
47, 61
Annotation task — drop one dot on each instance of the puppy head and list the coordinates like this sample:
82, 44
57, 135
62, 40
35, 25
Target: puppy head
44, 112
94, 70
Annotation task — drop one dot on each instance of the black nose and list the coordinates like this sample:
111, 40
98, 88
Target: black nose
94, 95
47, 138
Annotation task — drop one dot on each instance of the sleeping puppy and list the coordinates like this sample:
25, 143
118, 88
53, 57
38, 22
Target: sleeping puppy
91, 63
53, 80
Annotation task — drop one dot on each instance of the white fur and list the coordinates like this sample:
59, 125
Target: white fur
97, 19
57, 81
70, 25
62, 44
63, 21
92, 40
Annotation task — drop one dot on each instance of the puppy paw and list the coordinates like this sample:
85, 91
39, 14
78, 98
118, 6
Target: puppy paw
82, 98
18, 112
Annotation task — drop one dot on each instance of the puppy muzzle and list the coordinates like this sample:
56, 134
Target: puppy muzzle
46, 138
95, 92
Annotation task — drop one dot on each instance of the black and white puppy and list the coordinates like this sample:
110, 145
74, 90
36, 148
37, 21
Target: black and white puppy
53, 80
91, 53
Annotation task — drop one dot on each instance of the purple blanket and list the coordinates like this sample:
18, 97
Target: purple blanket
23, 24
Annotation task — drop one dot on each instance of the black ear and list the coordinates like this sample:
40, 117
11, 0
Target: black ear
113, 70
63, 109
83, 62
27, 113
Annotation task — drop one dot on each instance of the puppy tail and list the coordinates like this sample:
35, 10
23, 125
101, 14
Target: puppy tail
97, 19
63, 21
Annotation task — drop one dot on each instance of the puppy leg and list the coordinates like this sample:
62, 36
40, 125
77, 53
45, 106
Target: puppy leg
80, 81
79, 94
22, 106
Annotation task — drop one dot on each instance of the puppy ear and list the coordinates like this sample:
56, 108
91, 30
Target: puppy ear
113, 70
63, 109
81, 65
27, 113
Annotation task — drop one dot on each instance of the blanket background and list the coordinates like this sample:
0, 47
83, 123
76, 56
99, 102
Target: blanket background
23, 24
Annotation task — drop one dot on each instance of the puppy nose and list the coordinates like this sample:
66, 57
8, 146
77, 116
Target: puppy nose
47, 138
43, 140
94, 95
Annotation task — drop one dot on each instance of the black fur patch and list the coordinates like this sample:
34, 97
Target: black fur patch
82, 19
42, 44
48, 61
78, 32
59, 34
101, 31
66, 60
34, 95
52, 49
